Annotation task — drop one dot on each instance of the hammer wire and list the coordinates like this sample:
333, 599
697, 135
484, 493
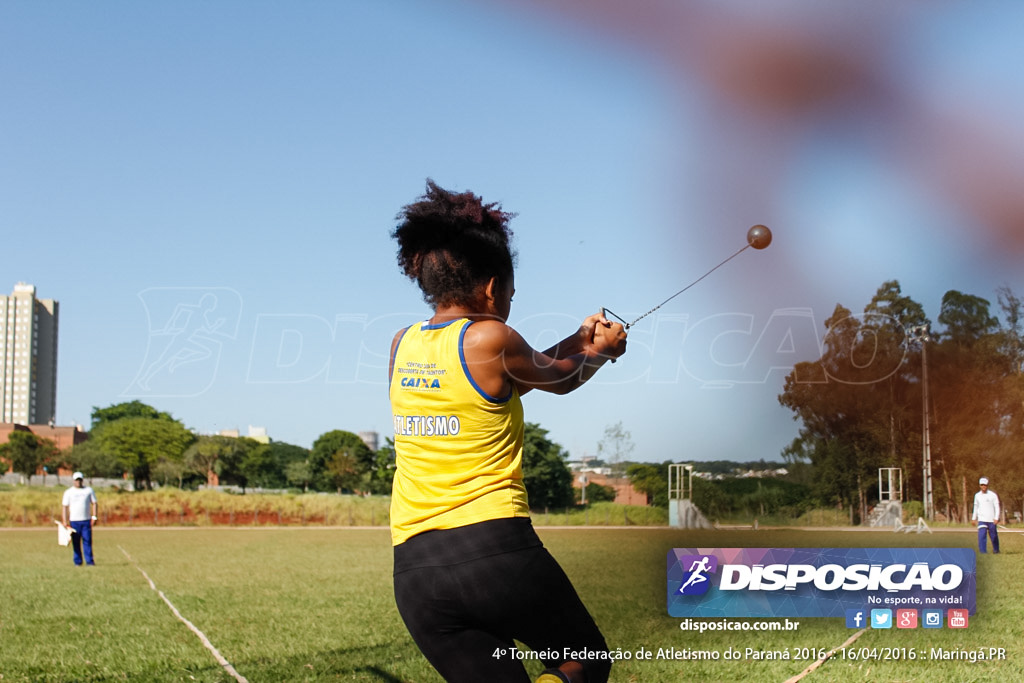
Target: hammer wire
629, 325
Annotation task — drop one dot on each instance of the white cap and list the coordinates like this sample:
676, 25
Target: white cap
79, 475
983, 480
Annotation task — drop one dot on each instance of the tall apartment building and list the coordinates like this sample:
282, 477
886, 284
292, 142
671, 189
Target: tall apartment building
28, 357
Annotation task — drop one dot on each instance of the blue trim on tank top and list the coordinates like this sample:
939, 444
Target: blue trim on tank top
394, 355
465, 370
438, 326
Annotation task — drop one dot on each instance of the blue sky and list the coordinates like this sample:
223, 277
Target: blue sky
207, 189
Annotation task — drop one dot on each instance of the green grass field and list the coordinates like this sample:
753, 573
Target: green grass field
312, 604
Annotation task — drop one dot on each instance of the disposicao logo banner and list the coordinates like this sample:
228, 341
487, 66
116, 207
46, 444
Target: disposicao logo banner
817, 582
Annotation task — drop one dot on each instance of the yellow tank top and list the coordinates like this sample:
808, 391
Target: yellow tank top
458, 451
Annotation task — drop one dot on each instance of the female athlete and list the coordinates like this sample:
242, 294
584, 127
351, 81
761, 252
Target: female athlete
471, 575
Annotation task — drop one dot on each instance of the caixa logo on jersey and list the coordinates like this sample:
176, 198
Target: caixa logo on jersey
816, 582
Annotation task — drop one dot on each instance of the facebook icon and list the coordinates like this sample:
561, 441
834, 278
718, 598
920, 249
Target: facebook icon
854, 618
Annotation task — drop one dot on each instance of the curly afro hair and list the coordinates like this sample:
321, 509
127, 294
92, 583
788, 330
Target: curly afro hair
452, 243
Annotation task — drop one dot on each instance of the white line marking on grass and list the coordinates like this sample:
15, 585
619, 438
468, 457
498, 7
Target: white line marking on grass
202, 637
828, 655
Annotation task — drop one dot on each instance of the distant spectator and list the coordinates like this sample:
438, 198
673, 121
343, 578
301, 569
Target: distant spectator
986, 514
80, 510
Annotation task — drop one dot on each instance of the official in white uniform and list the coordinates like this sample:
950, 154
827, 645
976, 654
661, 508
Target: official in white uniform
986, 514
80, 510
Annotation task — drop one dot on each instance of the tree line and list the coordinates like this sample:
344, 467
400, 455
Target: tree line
150, 446
135, 440
861, 404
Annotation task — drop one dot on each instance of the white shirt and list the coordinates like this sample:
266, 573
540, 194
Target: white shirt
77, 501
986, 506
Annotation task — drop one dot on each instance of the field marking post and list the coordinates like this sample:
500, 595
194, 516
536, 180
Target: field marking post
202, 636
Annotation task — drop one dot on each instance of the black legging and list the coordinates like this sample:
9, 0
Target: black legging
466, 593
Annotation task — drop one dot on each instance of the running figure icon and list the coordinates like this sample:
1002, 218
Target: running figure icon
187, 330
697, 570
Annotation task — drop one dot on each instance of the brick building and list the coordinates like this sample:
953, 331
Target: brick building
62, 437
625, 494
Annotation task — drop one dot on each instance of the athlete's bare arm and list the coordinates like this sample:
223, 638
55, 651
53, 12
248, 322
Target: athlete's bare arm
498, 357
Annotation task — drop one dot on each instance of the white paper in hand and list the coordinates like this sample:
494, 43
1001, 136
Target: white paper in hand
63, 533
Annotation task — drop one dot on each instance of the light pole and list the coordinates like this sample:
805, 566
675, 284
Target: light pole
920, 333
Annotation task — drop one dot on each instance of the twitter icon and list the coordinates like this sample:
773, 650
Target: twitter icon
881, 618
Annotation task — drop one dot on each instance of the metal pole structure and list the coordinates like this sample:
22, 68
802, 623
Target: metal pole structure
929, 503
920, 333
